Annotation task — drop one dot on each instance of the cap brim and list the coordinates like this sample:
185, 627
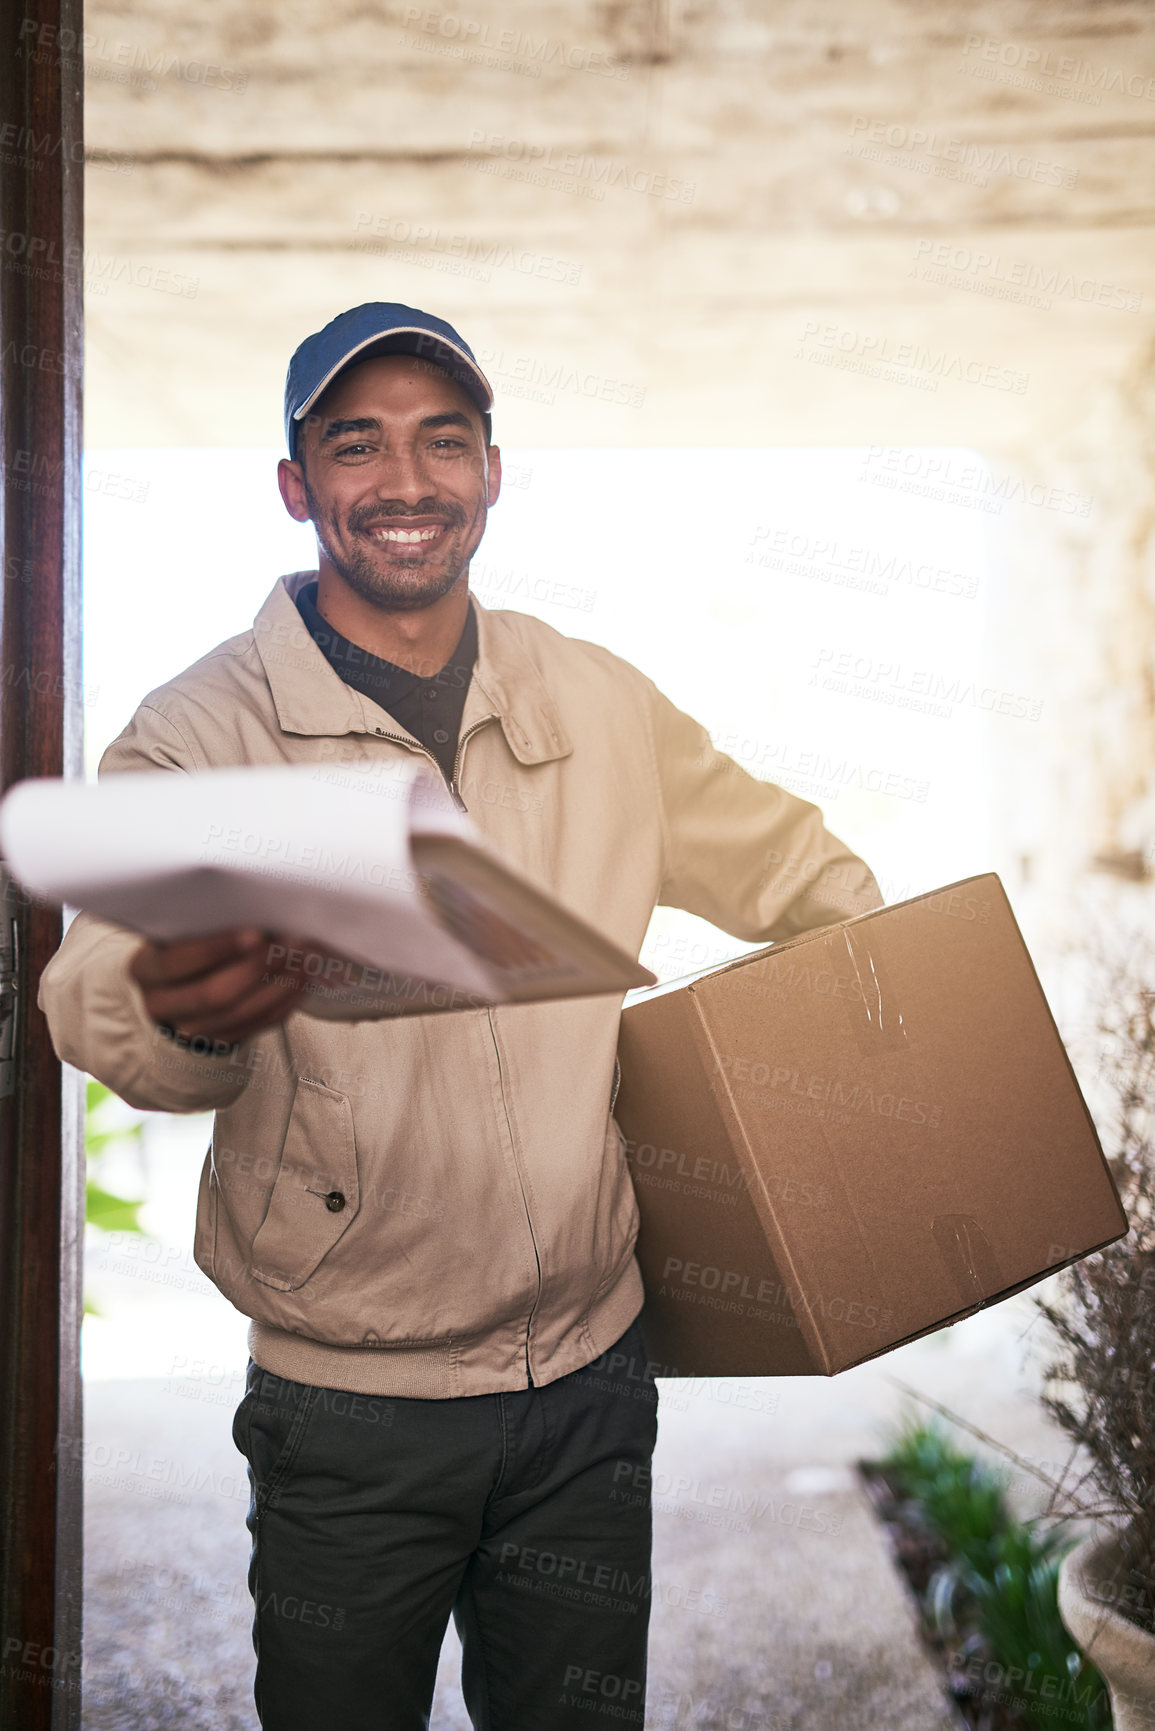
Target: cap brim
467, 365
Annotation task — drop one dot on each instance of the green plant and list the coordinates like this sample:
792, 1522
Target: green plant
1017, 1613
958, 1497
995, 1596
105, 1208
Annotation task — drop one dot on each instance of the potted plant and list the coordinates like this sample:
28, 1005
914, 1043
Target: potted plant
1102, 1389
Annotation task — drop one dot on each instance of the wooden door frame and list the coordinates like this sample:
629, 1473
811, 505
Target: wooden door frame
41, 717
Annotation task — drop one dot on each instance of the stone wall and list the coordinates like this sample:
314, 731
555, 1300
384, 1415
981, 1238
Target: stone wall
669, 223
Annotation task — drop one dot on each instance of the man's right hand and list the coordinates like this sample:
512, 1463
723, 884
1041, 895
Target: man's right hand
221, 987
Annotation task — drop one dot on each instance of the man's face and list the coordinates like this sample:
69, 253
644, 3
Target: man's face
394, 474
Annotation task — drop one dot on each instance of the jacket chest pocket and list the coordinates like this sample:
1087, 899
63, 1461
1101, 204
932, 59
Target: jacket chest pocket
316, 1194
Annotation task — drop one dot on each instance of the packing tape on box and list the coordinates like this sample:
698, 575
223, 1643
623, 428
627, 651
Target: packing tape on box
876, 1018
967, 1252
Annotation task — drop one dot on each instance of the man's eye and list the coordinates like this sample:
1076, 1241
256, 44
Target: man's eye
352, 450
448, 444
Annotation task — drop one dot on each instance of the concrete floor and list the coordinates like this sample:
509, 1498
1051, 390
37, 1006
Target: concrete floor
788, 1616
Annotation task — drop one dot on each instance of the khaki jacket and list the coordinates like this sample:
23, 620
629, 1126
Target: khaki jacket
488, 1230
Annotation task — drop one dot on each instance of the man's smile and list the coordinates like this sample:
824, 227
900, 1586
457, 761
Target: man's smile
407, 537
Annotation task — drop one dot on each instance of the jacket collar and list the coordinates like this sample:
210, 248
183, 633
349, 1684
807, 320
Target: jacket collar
311, 697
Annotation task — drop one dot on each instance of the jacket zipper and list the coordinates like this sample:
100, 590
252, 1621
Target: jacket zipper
459, 755
521, 1186
412, 745
456, 794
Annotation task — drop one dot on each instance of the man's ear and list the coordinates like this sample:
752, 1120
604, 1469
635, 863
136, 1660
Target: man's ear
291, 481
494, 474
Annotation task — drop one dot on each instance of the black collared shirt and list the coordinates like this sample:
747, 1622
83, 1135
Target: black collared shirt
430, 709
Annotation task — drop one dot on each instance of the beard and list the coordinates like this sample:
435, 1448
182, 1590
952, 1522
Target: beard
387, 579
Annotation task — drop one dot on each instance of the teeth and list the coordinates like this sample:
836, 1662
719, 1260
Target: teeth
405, 535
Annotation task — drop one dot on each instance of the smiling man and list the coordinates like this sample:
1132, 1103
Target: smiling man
394, 566
429, 1220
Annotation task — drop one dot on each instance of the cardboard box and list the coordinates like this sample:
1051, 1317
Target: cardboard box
846, 1140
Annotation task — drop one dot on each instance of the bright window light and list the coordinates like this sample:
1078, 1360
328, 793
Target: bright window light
820, 611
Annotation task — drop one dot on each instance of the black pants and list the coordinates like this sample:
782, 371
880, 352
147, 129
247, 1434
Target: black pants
526, 1515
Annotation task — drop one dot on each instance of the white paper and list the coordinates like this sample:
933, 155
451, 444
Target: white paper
312, 851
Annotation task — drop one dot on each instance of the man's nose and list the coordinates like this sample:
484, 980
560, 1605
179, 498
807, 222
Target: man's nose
406, 476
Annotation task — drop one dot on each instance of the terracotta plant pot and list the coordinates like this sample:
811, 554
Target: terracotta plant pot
1091, 1582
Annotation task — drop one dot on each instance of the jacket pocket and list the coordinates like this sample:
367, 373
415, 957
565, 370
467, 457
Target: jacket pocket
316, 1194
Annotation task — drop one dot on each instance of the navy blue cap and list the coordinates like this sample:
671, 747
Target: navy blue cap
377, 328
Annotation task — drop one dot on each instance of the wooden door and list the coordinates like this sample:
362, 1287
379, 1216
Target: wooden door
41, 1123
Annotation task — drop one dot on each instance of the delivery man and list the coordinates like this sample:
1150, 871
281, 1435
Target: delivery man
429, 1220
